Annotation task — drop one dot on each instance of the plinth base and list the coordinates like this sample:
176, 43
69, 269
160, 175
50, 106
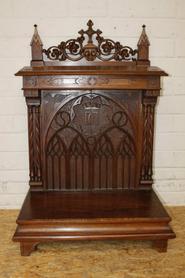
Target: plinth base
125, 214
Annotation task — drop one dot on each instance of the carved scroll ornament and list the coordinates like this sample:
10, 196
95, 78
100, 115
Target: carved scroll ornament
76, 49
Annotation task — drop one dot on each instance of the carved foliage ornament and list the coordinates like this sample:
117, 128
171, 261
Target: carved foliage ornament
83, 47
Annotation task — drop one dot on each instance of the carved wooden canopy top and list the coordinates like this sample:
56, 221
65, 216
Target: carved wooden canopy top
90, 45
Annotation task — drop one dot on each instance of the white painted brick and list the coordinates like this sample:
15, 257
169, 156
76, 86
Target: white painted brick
170, 123
13, 187
17, 28
10, 85
145, 8
168, 174
12, 124
179, 85
172, 198
14, 176
170, 186
173, 85
13, 201
180, 27
173, 66
10, 66
171, 105
22, 29
132, 27
170, 141
13, 142
166, 48
167, 85
12, 106
171, 193
162, 159
169, 159
49, 29
57, 28
14, 52
179, 159
180, 8
41, 8
6, 8
163, 123
120, 27
162, 28
14, 161
88, 8
179, 47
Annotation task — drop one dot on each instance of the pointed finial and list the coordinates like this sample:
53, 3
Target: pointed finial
36, 48
36, 38
143, 40
143, 48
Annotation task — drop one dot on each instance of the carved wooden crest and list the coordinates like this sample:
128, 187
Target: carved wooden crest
90, 45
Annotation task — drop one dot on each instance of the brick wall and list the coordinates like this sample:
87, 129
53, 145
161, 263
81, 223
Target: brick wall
121, 20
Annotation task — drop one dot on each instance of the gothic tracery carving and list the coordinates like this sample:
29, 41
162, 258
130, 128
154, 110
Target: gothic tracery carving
90, 148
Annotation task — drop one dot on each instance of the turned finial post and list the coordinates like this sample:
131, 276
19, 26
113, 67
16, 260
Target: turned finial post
143, 48
36, 49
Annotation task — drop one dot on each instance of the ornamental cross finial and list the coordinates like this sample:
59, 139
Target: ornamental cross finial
90, 31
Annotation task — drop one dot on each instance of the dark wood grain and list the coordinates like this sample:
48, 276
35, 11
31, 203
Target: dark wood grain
115, 68
55, 216
87, 206
101, 139
90, 130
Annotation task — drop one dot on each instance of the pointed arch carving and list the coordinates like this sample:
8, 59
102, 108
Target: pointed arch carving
84, 153
78, 147
56, 146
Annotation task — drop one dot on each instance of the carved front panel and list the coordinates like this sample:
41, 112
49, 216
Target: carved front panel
90, 139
